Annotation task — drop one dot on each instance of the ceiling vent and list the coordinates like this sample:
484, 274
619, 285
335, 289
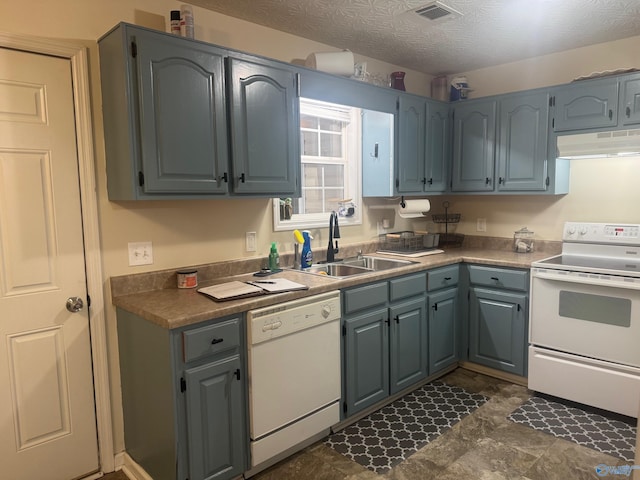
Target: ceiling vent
437, 11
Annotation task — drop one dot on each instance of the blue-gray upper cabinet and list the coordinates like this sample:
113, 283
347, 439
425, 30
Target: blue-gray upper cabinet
523, 142
424, 140
630, 100
265, 128
474, 137
592, 104
377, 153
164, 115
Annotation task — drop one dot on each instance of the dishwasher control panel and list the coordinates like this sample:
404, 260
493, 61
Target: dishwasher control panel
286, 318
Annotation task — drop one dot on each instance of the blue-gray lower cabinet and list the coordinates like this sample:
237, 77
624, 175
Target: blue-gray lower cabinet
384, 340
498, 305
443, 329
183, 397
366, 359
444, 320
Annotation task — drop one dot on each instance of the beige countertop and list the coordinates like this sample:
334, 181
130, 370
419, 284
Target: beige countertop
171, 307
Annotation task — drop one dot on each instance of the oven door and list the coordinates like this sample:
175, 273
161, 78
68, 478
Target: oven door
596, 316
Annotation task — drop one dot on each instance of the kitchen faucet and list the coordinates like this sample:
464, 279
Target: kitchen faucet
334, 233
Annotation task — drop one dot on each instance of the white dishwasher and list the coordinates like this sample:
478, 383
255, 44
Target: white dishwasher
294, 373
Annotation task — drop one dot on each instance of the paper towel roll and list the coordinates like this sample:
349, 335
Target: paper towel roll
413, 208
338, 63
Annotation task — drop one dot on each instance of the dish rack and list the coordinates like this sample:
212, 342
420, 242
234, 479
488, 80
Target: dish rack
446, 238
406, 242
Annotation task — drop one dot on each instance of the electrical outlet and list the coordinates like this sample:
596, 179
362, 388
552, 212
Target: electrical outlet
481, 225
140, 253
250, 241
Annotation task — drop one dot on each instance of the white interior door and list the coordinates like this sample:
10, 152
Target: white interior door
47, 410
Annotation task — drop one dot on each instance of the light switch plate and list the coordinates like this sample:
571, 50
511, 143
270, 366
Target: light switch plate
251, 242
140, 253
481, 225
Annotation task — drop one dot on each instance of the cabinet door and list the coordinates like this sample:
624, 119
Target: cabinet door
497, 329
215, 416
474, 135
377, 154
366, 360
592, 104
265, 129
411, 132
408, 344
182, 116
443, 329
522, 147
630, 100
438, 148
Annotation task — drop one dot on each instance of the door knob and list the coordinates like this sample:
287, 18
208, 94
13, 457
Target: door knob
74, 304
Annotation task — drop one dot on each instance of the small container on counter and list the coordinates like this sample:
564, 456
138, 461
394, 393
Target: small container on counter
187, 278
523, 240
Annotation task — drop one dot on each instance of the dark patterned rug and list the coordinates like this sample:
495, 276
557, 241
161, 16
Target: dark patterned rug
603, 431
386, 437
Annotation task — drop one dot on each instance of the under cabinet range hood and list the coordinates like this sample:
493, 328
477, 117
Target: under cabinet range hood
599, 144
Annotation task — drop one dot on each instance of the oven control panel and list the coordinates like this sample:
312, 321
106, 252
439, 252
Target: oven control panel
604, 233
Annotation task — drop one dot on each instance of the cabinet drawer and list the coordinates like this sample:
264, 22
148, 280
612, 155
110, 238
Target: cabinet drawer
407, 286
364, 297
499, 278
204, 341
443, 277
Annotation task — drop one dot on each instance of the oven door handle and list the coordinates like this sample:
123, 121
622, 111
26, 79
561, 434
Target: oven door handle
588, 281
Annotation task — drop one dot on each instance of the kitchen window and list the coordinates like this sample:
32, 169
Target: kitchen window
330, 155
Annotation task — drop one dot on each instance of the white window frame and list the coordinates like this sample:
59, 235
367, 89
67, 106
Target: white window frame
352, 148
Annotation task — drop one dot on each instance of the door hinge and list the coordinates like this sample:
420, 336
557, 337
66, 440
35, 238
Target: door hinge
547, 181
88, 301
344, 330
134, 49
553, 123
519, 307
141, 178
397, 183
344, 407
183, 385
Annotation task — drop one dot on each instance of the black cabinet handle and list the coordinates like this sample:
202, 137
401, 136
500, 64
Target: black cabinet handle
217, 340
237, 373
242, 178
500, 180
430, 182
224, 177
447, 278
495, 278
424, 180
387, 321
397, 319
435, 307
487, 181
628, 111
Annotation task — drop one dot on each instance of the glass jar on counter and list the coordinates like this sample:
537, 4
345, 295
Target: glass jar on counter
523, 240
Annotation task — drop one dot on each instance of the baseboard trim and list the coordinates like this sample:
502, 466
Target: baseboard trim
130, 468
509, 377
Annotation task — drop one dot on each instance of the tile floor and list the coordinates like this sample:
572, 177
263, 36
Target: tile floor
484, 445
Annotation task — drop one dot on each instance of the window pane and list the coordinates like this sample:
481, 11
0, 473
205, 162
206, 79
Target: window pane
330, 145
310, 143
312, 175
330, 125
313, 201
334, 175
332, 197
308, 121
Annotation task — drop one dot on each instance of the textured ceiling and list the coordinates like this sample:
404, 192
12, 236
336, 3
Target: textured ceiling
489, 32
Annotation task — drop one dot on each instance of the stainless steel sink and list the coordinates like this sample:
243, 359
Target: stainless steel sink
376, 263
336, 270
355, 266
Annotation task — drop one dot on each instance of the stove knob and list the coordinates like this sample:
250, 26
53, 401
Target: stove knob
571, 229
583, 230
